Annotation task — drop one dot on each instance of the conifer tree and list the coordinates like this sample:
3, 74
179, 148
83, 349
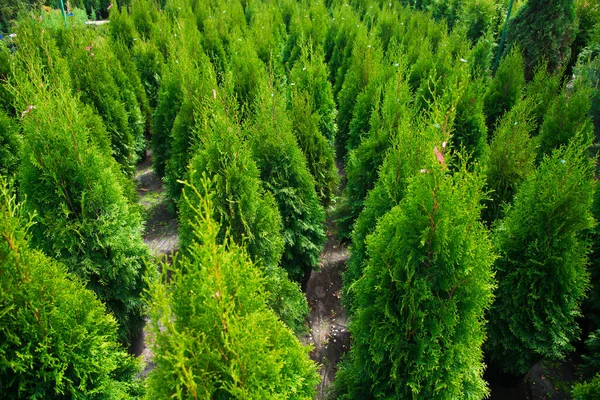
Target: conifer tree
214, 335
247, 212
544, 31
418, 319
511, 159
505, 89
284, 171
541, 266
97, 75
56, 338
309, 74
83, 218
10, 145
567, 115
170, 98
364, 67
318, 151
363, 162
405, 158
198, 78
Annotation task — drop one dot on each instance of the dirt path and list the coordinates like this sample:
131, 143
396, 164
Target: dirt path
160, 236
327, 319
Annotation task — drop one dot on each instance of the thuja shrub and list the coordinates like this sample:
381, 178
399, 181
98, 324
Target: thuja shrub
214, 335
470, 131
284, 172
100, 81
363, 162
418, 320
511, 159
541, 266
407, 155
198, 84
170, 98
309, 74
308, 23
10, 145
365, 66
541, 93
247, 212
83, 217
567, 116
544, 31
318, 151
56, 338
505, 89
339, 42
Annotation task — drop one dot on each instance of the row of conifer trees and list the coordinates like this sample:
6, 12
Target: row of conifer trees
469, 197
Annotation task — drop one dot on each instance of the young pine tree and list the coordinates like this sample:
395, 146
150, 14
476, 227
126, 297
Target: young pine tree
541, 266
214, 336
56, 339
418, 319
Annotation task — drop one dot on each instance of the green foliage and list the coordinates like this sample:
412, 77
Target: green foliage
470, 132
309, 75
588, 390
588, 72
411, 147
567, 115
170, 97
541, 269
363, 162
318, 151
98, 77
418, 315
544, 31
84, 219
56, 339
247, 213
197, 75
541, 93
365, 65
10, 8
285, 173
505, 89
215, 337
10, 145
241, 204
511, 159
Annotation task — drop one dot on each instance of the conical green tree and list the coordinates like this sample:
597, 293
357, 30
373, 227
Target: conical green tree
418, 320
284, 172
83, 218
505, 89
541, 266
318, 151
544, 30
214, 335
511, 159
248, 213
56, 339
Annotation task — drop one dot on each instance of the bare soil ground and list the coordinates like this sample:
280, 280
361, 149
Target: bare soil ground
327, 319
160, 236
